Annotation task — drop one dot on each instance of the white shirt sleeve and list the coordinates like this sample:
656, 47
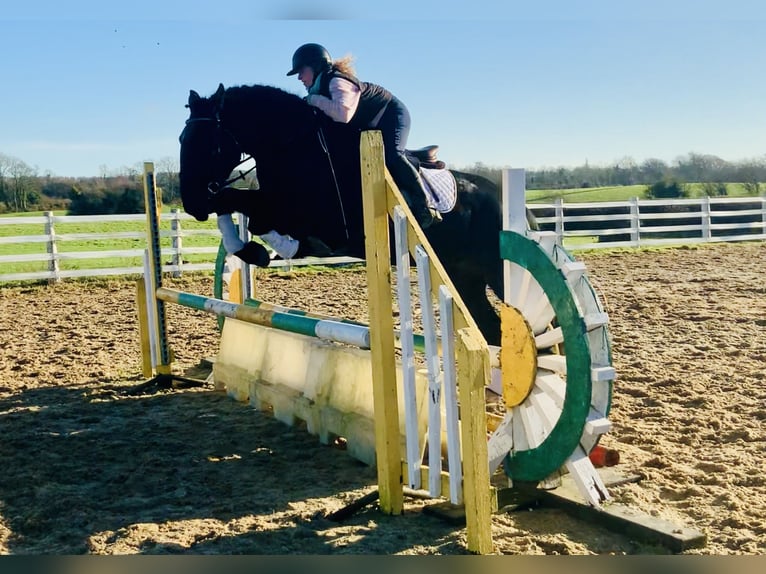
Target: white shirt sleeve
342, 103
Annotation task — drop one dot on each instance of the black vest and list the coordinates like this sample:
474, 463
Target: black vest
372, 100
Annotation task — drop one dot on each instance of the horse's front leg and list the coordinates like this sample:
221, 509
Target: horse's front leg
250, 252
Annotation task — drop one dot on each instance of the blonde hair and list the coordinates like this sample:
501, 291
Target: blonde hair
345, 65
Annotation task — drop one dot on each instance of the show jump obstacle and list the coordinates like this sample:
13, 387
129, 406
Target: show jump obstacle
553, 370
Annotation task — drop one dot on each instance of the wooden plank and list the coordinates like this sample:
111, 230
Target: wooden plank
425, 479
381, 323
595, 320
545, 239
450, 395
573, 270
472, 376
623, 519
600, 374
586, 477
412, 434
432, 365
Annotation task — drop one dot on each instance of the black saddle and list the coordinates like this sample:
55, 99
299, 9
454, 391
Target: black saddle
425, 157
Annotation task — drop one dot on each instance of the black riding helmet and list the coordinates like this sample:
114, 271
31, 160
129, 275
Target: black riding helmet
313, 55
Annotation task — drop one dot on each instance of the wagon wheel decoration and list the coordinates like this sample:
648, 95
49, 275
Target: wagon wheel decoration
556, 368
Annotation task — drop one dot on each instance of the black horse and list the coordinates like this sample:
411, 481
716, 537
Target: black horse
309, 186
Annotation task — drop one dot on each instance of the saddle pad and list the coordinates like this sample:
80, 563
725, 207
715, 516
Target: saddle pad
442, 189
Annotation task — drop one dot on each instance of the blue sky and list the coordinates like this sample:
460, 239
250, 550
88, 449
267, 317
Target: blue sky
87, 85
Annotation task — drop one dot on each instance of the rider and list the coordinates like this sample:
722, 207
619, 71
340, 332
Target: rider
333, 88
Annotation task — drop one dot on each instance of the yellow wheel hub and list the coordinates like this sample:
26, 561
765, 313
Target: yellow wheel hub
518, 356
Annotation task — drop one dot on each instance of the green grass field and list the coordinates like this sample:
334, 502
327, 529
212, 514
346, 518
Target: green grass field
74, 246
600, 194
615, 193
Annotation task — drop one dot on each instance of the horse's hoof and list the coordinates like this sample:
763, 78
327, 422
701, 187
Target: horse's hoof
254, 254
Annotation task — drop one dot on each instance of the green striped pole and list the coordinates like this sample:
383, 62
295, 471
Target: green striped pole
348, 333
420, 344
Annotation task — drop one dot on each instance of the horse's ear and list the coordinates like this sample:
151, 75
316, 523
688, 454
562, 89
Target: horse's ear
219, 92
193, 97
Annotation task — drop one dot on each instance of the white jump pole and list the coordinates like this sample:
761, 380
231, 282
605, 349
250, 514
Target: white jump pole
407, 342
434, 372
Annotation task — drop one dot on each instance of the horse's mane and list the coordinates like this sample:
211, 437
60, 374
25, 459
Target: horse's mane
262, 95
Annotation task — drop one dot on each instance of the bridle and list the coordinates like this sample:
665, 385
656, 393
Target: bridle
215, 187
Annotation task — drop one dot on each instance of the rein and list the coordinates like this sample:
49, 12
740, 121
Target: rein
326, 149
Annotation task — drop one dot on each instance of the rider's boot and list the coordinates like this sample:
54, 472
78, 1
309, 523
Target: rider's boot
411, 186
424, 215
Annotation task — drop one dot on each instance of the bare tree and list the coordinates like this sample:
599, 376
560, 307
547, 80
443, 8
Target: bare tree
167, 178
653, 169
23, 185
5, 164
751, 174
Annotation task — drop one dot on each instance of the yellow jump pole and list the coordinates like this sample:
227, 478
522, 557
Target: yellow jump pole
143, 329
153, 205
385, 398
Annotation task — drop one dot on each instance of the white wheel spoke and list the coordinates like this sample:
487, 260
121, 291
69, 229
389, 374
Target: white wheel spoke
520, 441
552, 385
533, 425
555, 363
520, 280
546, 409
531, 299
549, 338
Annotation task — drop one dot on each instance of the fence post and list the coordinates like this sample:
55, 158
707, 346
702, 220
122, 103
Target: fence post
52, 248
560, 220
635, 222
176, 240
514, 194
763, 212
706, 218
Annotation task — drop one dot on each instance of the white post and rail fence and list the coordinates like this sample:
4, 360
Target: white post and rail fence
633, 223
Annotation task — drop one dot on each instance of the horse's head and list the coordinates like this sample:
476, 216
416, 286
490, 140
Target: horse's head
209, 152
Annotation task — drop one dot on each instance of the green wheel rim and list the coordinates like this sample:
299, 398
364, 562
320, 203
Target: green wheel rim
537, 463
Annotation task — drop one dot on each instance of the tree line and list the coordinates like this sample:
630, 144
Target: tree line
691, 168
22, 188
122, 191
